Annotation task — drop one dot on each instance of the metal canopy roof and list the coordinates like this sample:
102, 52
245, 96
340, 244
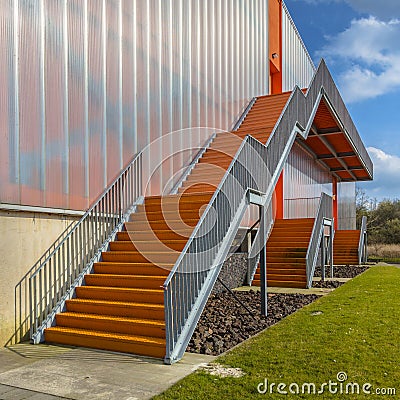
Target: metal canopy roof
331, 145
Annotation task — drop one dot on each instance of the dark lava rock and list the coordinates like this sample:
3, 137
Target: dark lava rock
343, 271
327, 284
225, 323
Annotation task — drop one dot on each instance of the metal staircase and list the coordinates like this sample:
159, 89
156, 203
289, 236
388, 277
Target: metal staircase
145, 291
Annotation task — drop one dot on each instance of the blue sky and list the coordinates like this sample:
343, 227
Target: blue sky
360, 41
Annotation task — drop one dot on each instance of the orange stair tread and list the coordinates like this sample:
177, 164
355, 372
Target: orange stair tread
111, 288
108, 335
124, 276
178, 241
117, 303
113, 318
174, 196
130, 264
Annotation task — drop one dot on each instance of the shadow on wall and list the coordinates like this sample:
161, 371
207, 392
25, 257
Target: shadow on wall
22, 308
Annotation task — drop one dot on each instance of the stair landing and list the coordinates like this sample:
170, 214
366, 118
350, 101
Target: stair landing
286, 253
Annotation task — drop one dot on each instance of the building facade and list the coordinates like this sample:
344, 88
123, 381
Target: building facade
86, 85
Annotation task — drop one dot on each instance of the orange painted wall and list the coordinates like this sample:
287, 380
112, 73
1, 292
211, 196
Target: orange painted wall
335, 201
275, 45
275, 71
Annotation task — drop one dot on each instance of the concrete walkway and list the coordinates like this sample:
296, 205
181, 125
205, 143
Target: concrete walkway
274, 290
54, 372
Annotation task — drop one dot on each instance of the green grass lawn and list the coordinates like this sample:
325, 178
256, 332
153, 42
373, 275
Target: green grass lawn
355, 329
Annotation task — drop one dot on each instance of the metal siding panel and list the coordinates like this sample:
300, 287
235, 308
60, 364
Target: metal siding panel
154, 92
30, 73
346, 205
186, 82
297, 65
304, 181
111, 134
9, 134
128, 86
102, 78
204, 53
76, 104
96, 65
54, 87
210, 64
166, 82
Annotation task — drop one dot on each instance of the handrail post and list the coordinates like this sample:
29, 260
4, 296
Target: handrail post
332, 234
362, 241
323, 255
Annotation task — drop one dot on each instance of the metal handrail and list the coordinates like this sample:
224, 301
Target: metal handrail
62, 269
324, 212
244, 114
193, 276
362, 245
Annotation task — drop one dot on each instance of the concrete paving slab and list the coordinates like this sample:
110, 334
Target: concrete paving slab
344, 280
86, 374
383, 264
12, 393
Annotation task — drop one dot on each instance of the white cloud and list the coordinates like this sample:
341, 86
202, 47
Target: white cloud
386, 182
385, 10
368, 52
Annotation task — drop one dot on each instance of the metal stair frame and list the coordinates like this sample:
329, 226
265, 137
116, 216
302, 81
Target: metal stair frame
295, 121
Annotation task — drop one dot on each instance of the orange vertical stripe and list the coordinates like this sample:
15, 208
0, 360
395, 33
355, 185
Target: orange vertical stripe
335, 201
275, 45
279, 198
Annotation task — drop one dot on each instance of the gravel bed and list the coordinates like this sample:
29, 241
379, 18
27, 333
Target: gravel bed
327, 284
225, 323
343, 271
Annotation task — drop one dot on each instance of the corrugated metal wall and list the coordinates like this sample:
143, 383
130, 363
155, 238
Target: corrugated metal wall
297, 65
346, 205
85, 84
304, 181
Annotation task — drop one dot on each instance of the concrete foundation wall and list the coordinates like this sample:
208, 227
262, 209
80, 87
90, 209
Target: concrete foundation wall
24, 237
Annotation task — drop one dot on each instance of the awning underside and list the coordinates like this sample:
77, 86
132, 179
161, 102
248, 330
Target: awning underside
332, 147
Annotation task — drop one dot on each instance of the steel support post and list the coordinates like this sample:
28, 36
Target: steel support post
332, 230
263, 262
323, 257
